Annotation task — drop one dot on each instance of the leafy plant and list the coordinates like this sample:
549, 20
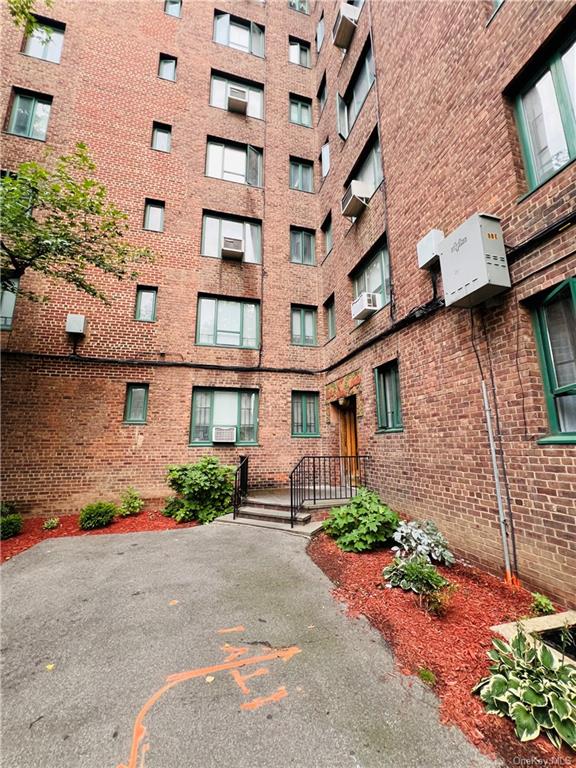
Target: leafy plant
204, 491
438, 602
10, 525
7, 508
362, 524
541, 605
529, 685
97, 515
414, 573
51, 523
131, 503
416, 538
427, 676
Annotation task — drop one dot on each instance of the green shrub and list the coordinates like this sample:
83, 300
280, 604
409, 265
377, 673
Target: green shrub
364, 523
416, 538
416, 574
541, 605
204, 491
97, 515
51, 523
7, 508
10, 525
427, 676
532, 688
131, 503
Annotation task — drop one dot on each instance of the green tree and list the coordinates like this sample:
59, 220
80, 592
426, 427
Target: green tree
57, 220
22, 13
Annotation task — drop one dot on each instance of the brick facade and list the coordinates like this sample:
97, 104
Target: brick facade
445, 77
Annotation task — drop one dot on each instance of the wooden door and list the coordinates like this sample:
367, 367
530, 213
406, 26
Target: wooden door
349, 443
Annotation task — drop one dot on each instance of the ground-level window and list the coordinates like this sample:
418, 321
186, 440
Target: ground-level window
136, 405
146, 303
388, 411
235, 408
555, 323
304, 326
7, 306
227, 323
305, 421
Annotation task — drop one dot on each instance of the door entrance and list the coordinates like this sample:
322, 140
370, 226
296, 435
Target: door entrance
348, 429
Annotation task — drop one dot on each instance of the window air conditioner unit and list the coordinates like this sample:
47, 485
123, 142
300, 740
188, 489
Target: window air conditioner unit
345, 25
355, 198
232, 248
365, 305
223, 434
237, 99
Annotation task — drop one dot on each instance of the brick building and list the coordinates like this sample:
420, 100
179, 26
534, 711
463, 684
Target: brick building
440, 111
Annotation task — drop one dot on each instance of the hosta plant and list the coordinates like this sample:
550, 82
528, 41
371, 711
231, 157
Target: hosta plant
416, 538
529, 685
416, 574
362, 524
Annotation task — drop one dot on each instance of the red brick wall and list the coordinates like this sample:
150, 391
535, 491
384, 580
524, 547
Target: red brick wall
449, 148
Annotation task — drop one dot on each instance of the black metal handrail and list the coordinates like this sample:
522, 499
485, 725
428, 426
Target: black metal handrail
240, 485
317, 478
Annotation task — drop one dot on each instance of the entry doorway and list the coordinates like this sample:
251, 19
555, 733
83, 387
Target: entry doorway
348, 441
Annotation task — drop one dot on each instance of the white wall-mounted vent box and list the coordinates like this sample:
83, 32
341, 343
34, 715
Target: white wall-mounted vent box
473, 262
428, 248
76, 324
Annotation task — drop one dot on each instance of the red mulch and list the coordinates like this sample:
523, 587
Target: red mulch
32, 531
453, 647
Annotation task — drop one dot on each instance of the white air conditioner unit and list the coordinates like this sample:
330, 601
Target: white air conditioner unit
223, 434
345, 25
356, 198
232, 248
237, 99
365, 305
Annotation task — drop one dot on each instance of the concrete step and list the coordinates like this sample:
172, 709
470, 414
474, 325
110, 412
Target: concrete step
308, 530
272, 514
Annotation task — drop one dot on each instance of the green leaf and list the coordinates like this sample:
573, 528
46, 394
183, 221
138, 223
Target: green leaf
559, 706
545, 657
527, 728
566, 729
554, 738
498, 685
532, 697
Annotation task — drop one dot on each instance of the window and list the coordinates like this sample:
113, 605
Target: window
546, 114
496, 4
215, 228
29, 116
555, 323
301, 175
224, 408
161, 137
369, 168
146, 304
234, 162
304, 326
173, 7
325, 159
7, 306
330, 308
154, 215
46, 41
322, 94
327, 230
136, 405
227, 323
388, 413
219, 89
238, 33
299, 5
302, 246
349, 106
374, 277
300, 111
298, 52
320, 32
167, 67
305, 421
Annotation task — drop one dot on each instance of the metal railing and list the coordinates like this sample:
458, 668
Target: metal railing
240, 485
317, 478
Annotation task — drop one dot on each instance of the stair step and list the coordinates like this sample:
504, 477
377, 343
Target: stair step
272, 514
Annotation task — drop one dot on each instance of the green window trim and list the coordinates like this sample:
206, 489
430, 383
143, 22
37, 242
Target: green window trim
209, 392
300, 171
388, 405
298, 238
299, 5
554, 393
138, 310
32, 129
218, 302
567, 111
129, 406
362, 276
300, 111
304, 400
299, 53
300, 313
331, 318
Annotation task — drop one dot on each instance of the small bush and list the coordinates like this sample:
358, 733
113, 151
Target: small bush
204, 491
427, 676
414, 574
416, 538
438, 602
131, 503
541, 605
97, 515
362, 524
7, 508
51, 523
10, 525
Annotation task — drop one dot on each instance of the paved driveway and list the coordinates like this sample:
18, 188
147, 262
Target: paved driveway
213, 647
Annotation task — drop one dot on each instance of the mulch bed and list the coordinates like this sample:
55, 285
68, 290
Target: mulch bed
453, 647
32, 532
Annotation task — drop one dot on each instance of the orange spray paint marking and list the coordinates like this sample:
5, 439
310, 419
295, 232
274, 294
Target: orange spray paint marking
261, 700
233, 653
239, 628
240, 679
